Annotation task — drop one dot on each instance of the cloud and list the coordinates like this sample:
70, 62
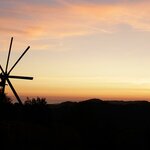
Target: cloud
102, 1
62, 18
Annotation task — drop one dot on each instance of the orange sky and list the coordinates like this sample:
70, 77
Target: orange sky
79, 49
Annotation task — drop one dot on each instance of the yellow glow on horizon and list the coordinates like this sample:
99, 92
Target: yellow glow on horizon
82, 88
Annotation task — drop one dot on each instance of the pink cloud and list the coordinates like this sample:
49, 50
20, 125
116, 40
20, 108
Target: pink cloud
37, 20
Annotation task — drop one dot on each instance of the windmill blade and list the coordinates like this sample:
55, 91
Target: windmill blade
20, 77
19, 59
9, 54
14, 91
1, 75
2, 69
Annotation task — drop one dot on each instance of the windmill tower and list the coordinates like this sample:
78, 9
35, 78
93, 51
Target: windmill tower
5, 75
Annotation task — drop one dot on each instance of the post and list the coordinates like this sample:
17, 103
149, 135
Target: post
2, 90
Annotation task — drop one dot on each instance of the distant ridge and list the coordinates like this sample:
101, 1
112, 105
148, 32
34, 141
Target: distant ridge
100, 101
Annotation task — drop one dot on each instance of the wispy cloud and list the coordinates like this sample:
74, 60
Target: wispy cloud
72, 18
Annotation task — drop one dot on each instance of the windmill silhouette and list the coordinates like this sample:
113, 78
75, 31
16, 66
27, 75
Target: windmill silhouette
5, 74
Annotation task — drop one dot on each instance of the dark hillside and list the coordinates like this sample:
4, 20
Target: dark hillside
88, 125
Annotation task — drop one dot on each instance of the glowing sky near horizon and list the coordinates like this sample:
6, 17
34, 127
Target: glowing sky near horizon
79, 48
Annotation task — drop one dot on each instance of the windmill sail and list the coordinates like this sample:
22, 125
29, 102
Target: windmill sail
5, 75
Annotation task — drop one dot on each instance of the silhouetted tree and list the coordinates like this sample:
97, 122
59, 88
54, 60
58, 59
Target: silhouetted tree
36, 101
5, 99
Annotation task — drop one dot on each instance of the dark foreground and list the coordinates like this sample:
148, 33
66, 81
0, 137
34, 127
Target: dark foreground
87, 125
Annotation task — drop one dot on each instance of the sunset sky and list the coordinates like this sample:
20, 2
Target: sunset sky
80, 49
